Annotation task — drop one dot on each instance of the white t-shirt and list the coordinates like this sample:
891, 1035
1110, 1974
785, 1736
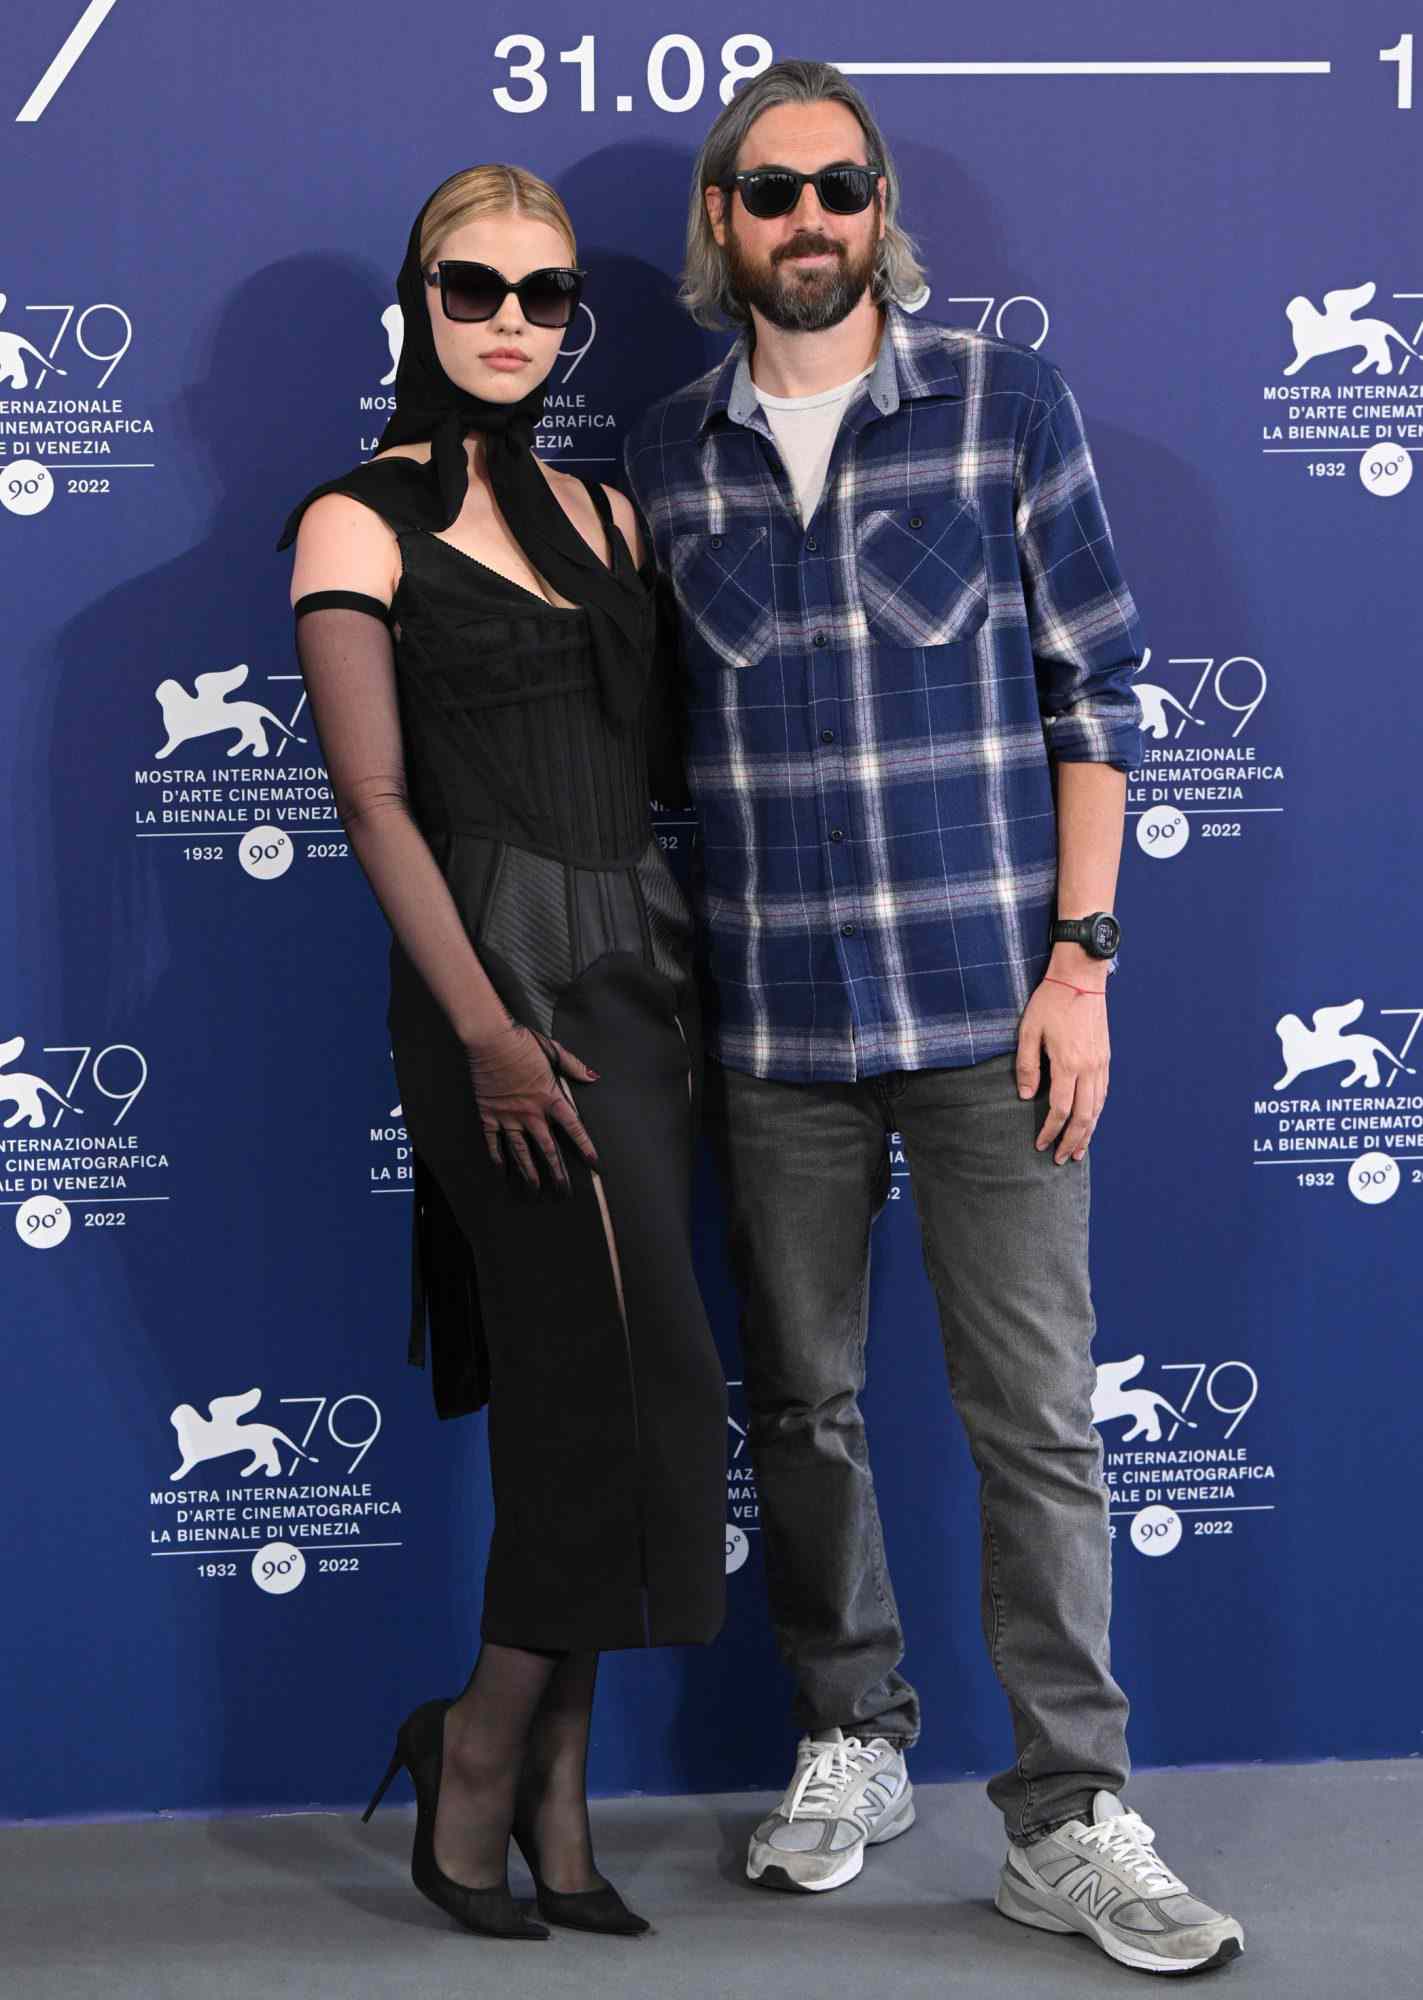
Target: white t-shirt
805, 428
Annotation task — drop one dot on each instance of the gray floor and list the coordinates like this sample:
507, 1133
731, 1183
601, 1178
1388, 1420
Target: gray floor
1321, 1862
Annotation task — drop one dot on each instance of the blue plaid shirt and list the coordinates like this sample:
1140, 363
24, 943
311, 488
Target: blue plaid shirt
874, 698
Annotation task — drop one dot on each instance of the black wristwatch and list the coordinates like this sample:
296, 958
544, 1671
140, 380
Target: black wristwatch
1099, 935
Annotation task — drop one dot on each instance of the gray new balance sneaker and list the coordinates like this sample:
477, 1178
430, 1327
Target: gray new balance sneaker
1107, 1881
845, 1796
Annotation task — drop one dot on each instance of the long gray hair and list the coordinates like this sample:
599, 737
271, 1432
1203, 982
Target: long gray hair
704, 289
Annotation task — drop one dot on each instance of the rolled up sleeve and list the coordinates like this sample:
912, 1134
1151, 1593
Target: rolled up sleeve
1085, 632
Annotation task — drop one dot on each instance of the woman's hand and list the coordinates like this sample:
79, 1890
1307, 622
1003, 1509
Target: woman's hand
514, 1072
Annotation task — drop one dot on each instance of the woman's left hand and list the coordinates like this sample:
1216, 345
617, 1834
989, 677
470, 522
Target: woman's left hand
1069, 1026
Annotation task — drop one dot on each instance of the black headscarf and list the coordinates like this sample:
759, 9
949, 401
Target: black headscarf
429, 405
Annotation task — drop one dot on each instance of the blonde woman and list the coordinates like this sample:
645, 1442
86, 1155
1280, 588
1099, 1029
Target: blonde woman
476, 635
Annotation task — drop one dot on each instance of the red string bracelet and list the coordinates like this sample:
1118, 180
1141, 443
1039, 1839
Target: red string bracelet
1100, 991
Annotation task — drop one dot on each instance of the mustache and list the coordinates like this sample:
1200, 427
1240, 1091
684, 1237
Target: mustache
805, 246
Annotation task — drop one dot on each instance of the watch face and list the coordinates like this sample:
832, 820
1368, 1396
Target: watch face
1106, 935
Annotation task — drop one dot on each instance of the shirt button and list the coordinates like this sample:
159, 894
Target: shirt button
916, 520
847, 930
811, 543
837, 833
821, 640
827, 735
716, 541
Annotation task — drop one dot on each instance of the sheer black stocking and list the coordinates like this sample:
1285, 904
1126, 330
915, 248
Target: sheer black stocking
486, 1732
551, 1815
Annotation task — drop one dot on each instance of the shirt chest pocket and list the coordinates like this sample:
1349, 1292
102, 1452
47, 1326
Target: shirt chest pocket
922, 574
723, 584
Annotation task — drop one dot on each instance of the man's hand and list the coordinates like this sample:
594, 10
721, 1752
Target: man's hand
1070, 1026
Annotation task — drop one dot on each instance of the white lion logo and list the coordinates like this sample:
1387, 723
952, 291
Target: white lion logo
1322, 1045
393, 320
1141, 1406
1153, 701
218, 1433
1334, 329
17, 1086
13, 349
207, 712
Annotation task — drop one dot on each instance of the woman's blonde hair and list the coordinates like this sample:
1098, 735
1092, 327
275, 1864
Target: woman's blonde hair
705, 290
492, 189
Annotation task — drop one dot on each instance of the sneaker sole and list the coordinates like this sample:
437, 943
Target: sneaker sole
775, 1876
1019, 1901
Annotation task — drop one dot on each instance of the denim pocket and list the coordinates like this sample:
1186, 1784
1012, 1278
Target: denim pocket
922, 574
723, 584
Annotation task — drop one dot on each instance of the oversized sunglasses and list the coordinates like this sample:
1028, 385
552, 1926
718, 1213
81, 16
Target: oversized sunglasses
476, 291
845, 189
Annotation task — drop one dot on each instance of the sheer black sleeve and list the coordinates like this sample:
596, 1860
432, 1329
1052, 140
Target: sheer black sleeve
347, 659
664, 716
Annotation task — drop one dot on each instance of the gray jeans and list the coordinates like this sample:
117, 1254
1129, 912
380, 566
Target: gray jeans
806, 1169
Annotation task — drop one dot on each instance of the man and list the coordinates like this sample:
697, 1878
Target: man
908, 715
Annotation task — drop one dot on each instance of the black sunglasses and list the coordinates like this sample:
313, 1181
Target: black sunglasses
476, 291
844, 189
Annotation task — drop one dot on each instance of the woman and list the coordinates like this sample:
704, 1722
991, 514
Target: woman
476, 637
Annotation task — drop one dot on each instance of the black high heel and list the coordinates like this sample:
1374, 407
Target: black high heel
419, 1746
601, 1909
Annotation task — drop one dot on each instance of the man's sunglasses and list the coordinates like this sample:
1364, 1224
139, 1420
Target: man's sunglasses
476, 291
772, 191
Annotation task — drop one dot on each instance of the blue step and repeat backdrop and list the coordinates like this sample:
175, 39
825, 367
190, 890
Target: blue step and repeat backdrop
238, 1545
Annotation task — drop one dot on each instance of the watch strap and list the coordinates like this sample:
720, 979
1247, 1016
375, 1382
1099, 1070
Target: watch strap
1083, 930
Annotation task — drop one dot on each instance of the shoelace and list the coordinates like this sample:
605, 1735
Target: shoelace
826, 1772
1127, 1840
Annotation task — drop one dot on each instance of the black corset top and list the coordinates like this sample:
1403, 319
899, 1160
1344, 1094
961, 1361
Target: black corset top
503, 729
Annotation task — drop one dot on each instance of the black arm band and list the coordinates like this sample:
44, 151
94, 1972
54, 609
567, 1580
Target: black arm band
342, 600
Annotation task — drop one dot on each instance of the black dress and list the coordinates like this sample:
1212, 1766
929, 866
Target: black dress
606, 1439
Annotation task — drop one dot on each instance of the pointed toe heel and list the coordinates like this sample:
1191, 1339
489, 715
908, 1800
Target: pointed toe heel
492, 1912
601, 1909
